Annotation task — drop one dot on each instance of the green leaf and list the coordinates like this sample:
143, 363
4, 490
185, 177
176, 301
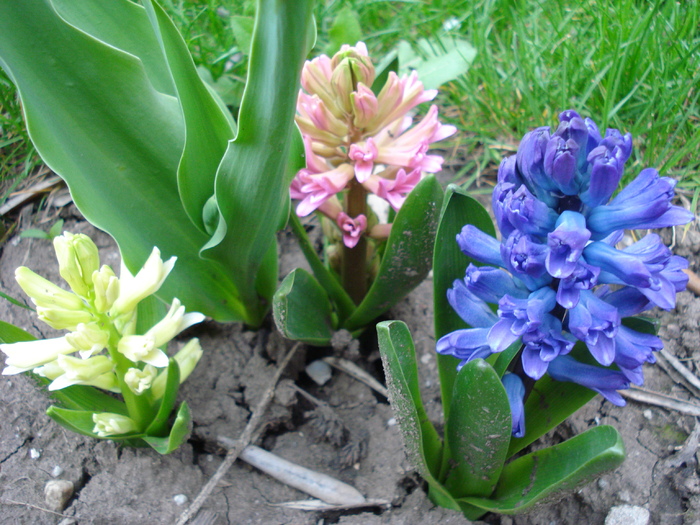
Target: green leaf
437, 61
178, 432
423, 445
302, 310
407, 258
340, 298
386, 65
10, 333
346, 29
478, 431
34, 233
242, 29
551, 402
80, 421
101, 108
251, 191
81, 397
530, 478
56, 229
150, 311
449, 263
207, 129
158, 426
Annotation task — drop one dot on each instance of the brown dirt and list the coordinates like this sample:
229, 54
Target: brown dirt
116, 485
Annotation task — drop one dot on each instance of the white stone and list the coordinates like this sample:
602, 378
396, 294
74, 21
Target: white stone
627, 515
34, 453
57, 471
180, 499
319, 371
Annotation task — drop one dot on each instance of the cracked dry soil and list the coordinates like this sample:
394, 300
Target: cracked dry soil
356, 441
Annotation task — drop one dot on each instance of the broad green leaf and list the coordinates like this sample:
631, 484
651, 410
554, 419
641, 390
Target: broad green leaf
178, 432
207, 129
251, 190
346, 29
158, 426
149, 311
478, 431
530, 478
80, 421
449, 263
423, 445
81, 397
407, 258
302, 310
100, 107
437, 61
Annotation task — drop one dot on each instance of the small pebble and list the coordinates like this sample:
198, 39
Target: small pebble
319, 371
391, 422
648, 414
57, 471
180, 499
34, 453
425, 358
57, 492
627, 515
603, 484
624, 496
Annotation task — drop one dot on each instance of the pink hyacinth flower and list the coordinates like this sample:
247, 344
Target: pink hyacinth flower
364, 156
352, 228
395, 191
316, 188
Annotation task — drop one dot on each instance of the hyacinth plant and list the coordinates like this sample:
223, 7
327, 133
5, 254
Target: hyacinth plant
115, 106
543, 320
360, 142
109, 347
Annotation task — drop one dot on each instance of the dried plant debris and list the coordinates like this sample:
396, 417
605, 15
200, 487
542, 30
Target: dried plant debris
354, 451
326, 425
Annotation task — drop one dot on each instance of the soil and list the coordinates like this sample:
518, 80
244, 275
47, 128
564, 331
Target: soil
115, 485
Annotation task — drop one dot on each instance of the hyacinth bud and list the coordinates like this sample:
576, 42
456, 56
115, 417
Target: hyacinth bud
63, 319
108, 424
46, 294
139, 380
106, 288
77, 258
357, 63
88, 339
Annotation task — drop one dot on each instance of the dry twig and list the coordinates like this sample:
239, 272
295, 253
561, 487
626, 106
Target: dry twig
242, 442
355, 371
662, 400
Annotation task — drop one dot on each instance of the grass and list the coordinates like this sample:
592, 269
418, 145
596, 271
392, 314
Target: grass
629, 64
18, 159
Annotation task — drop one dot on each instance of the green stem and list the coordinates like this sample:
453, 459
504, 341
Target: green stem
336, 292
139, 408
354, 265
